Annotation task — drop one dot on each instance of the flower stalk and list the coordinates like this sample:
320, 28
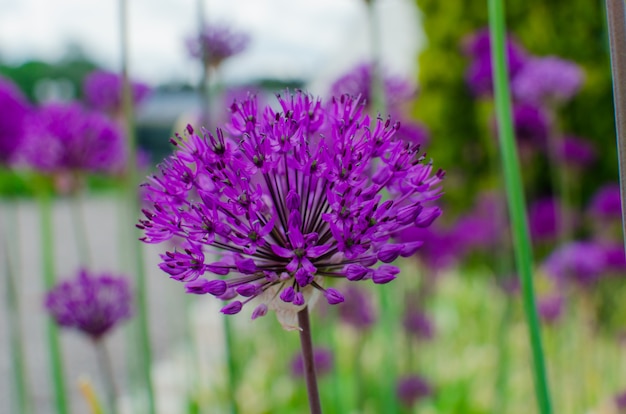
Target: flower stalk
515, 198
309, 361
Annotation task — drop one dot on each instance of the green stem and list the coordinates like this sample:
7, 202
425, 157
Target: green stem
79, 222
54, 348
108, 379
388, 319
230, 363
14, 318
306, 343
515, 198
144, 350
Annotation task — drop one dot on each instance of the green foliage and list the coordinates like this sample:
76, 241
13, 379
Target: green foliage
573, 29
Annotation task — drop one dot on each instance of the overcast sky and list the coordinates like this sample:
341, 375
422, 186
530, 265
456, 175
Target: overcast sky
314, 39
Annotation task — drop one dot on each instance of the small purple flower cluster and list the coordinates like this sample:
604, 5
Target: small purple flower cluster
287, 198
15, 110
103, 91
62, 137
92, 304
216, 43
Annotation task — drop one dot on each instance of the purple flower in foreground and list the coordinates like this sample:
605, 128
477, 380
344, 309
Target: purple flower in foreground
546, 80
322, 358
606, 203
103, 91
289, 200
92, 304
411, 389
216, 43
583, 262
14, 110
67, 137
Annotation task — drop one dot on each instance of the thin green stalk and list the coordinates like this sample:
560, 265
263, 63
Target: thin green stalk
22, 401
617, 36
203, 85
515, 198
144, 350
106, 371
230, 363
54, 348
306, 343
79, 222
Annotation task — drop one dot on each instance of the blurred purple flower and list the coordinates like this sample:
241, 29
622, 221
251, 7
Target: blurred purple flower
413, 132
66, 137
14, 109
412, 388
288, 199
620, 402
615, 257
322, 358
550, 308
479, 75
583, 262
576, 152
546, 218
417, 323
358, 309
217, 42
531, 124
92, 304
103, 91
358, 82
547, 80
441, 248
606, 203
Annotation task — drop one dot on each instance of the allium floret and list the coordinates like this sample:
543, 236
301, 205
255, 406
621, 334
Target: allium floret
282, 200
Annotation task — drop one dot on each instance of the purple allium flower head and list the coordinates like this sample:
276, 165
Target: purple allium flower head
550, 308
582, 262
576, 152
67, 137
615, 257
531, 124
418, 323
479, 75
545, 218
322, 358
358, 82
606, 203
90, 303
103, 91
412, 388
216, 43
620, 401
358, 309
14, 109
547, 80
288, 199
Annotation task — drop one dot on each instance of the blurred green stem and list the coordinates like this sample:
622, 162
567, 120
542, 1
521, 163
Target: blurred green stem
230, 363
515, 197
14, 318
108, 379
143, 347
79, 222
48, 270
306, 344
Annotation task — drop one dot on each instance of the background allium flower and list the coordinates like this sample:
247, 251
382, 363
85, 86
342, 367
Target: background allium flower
216, 43
62, 137
576, 152
90, 303
103, 91
550, 308
441, 248
479, 75
582, 261
323, 361
531, 124
546, 218
358, 309
358, 82
413, 132
290, 198
417, 323
411, 389
14, 109
606, 203
546, 80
